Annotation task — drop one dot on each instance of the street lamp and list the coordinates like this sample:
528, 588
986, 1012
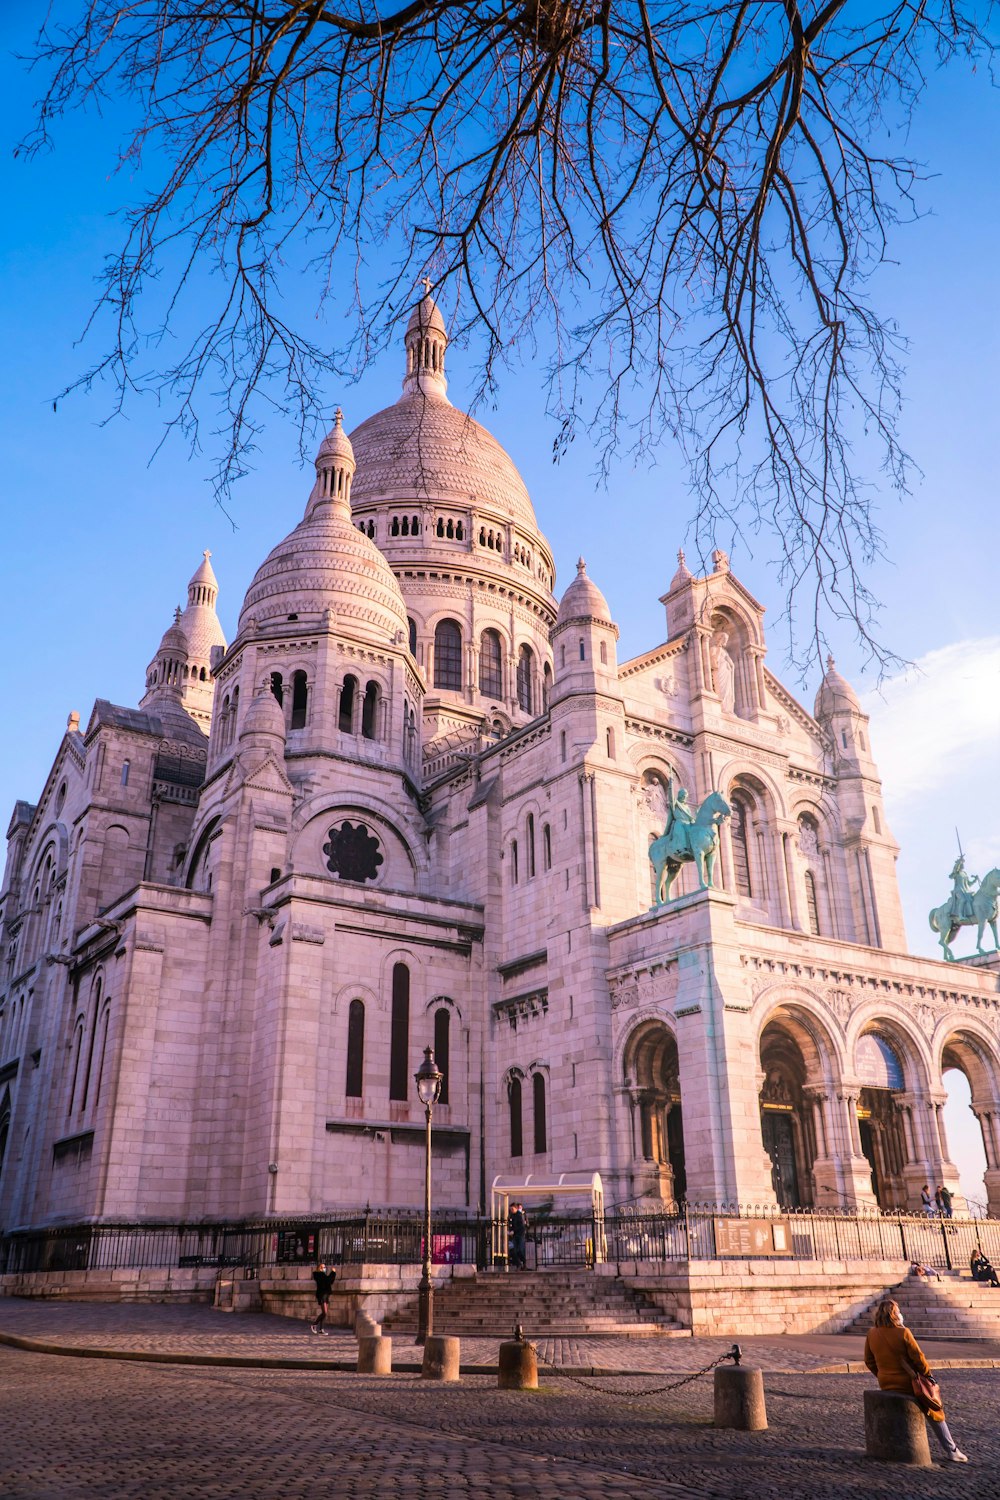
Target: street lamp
428, 1079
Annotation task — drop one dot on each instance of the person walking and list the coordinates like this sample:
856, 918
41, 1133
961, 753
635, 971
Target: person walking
894, 1357
324, 1280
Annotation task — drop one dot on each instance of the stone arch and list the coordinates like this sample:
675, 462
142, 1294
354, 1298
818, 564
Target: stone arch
406, 864
348, 992
800, 1066
967, 1046
651, 1084
895, 1105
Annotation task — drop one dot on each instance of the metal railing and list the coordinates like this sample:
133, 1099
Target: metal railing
691, 1234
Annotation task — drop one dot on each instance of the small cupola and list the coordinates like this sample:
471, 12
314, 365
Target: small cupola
584, 638
335, 468
426, 341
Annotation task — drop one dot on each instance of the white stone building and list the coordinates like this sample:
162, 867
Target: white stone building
410, 804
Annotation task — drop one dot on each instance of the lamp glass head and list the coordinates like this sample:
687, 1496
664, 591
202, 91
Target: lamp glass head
429, 1079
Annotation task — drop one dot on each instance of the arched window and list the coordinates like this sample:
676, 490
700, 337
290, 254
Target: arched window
876, 821
525, 672
355, 1049
740, 829
77, 1054
442, 1044
513, 862
345, 720
101, 1054
604, 653
514, 1101
278, 686
369, 712
530, 844
610, 743
4, 1127
490, 665
538, 1101
546, 847
399, 1038
125, 771
546, 685
583, 651
300, 700
411, 626
448, 656
812, 906
234, 713
562, 744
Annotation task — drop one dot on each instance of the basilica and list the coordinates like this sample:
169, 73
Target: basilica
413, 804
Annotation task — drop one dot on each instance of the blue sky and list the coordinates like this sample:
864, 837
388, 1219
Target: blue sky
100, 538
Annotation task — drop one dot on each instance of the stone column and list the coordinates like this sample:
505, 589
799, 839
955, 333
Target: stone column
855, 1169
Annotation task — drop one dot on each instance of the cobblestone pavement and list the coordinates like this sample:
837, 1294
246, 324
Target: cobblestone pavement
201, 1331
74, 1430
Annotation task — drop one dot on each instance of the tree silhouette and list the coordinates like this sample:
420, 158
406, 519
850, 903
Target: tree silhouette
675, 207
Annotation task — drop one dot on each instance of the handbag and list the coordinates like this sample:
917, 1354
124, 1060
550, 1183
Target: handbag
926, 1392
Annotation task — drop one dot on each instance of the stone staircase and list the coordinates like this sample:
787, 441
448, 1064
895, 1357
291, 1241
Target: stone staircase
956, 1307
556, 1303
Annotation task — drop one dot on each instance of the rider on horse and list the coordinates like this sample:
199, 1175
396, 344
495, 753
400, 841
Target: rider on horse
963, 889
680, 818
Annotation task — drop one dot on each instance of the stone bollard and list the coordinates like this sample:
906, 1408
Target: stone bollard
441, 1358
374, 1355
895, 1429
739, 1398
365, 1326
518, 1366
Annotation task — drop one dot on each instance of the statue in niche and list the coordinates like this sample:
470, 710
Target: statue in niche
723, 671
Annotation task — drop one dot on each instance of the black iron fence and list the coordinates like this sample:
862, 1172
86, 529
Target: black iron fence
698, 1232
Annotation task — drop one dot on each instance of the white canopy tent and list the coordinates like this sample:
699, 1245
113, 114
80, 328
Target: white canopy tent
508, 1190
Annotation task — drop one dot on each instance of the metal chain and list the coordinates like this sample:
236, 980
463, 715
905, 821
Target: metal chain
627, 1398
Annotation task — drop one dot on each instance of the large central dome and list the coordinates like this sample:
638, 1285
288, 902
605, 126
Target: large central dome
423, 448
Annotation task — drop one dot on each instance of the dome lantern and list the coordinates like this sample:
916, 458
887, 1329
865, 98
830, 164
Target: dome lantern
426, 340
335, 468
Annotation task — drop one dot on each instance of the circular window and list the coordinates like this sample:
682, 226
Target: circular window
352, 852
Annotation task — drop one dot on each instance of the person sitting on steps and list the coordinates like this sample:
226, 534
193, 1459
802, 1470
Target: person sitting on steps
981, 1268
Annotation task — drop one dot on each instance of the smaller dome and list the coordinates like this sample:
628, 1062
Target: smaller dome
835, 694
336, 446
426, 318
174, 639
264, 717
583, 600
683, 574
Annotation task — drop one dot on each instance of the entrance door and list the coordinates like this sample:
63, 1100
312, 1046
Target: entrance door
779, 1143
675, 1151
868, 1147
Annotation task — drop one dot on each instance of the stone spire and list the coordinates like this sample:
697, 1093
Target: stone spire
203, 588
426, 341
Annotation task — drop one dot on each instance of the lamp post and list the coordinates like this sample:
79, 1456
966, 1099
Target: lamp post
428, 1079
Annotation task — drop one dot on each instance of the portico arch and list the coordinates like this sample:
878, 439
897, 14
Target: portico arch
895, 1110
965, 1050
652, 1086
798, 1069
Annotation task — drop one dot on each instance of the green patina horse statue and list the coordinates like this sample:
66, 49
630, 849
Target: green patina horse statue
682, 842
982, 908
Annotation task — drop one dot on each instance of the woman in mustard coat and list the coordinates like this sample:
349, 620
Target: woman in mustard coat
893, 1355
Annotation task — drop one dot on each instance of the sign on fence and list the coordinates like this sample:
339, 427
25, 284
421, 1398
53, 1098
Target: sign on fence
446, 1249
750, 1238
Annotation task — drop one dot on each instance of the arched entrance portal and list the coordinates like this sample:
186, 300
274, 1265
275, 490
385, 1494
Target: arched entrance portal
879, 1071
969, 1055
787, 1125
653, 1085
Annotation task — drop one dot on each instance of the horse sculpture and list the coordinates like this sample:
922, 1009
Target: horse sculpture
700, 843
984, 905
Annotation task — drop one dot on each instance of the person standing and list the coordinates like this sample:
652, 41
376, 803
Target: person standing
945, 1196
324, 1280
894, 1357
926, 1202
519, 1237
